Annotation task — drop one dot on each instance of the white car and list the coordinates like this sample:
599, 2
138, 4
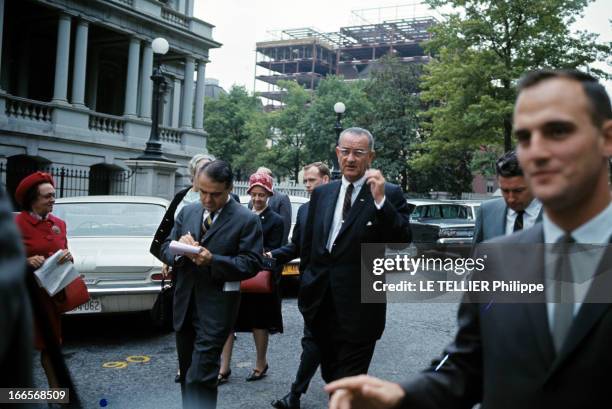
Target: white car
109, 238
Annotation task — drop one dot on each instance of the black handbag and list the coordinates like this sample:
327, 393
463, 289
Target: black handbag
161, 313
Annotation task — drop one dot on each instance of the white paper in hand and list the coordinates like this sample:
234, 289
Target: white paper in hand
181, 249
54, 277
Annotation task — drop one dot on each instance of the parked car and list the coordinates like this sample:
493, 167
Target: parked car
440, 223
472, 204
109, 237
291, 269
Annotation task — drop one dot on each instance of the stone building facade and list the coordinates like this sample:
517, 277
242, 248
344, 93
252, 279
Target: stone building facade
76, 93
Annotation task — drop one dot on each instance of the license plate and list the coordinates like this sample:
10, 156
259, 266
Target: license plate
291, 270
91, 306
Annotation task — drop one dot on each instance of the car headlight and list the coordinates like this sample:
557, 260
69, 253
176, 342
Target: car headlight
447, 233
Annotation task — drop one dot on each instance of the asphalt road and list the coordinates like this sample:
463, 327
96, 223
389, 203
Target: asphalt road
104, 354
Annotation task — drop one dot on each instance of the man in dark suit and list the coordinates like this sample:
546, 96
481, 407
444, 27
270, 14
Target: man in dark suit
555, 353
516, 210
315, 174
207, 293
359, 208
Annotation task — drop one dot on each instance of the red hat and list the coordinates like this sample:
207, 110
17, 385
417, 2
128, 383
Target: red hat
29, 182
261, 179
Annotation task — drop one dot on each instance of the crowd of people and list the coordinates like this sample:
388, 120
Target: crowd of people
555, 188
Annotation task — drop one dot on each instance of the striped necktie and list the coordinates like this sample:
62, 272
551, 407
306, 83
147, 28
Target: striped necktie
207, 223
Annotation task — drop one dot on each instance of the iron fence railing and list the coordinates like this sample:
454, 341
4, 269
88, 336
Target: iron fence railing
70, 182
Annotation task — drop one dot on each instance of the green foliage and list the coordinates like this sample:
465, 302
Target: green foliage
237, 130
484, 159
288, 129
393, 91
479, 55
321, 118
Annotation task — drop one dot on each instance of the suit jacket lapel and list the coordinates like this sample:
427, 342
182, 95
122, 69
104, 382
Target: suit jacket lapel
540, 215
196, 224
591, 310
364, 196
330, 208
501, 220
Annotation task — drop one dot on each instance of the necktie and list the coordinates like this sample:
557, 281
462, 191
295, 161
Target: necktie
346, 206
518, 222
564, 292
207, 223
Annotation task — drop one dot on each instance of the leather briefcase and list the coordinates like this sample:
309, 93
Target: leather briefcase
74, 294
260, 284
161, 313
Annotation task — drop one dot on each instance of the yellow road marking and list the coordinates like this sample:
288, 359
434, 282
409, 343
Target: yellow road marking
138, 359
116, 365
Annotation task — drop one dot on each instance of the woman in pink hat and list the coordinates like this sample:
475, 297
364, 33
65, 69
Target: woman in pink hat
259, 313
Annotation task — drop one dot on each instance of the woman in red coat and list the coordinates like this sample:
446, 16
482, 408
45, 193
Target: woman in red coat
43, 235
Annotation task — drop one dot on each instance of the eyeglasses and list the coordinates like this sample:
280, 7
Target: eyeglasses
358, 153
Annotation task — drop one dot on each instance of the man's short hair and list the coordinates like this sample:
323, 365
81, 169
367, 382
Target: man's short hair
507, 165
219, 171
359, 131
321, 167
599, 101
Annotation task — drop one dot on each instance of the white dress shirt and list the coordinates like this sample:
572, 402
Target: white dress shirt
529, 217
337, 220
584, 262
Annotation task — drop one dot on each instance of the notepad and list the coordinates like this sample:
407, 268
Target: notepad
181, 249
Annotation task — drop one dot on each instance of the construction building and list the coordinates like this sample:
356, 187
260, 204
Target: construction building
306, 55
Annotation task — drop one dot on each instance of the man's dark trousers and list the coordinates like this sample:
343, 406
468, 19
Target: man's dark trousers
309, 362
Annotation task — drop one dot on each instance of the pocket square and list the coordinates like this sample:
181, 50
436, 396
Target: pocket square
368, 223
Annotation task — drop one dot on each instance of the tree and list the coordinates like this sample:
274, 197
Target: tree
237, 130
320, 120
393, 91
479, 54
288, 131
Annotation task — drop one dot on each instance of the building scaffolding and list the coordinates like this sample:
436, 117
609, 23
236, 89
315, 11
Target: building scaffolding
306, 55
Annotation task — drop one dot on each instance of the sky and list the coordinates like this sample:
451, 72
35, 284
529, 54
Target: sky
239, 24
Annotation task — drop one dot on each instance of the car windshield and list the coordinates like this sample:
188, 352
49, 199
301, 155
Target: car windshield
110, 219
440, 211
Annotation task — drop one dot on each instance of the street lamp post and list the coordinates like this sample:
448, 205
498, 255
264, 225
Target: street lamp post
153, 150
339, 109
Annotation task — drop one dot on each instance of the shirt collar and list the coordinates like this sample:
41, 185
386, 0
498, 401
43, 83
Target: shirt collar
218, 211
532, 210
38, 217
357, 184
596, 231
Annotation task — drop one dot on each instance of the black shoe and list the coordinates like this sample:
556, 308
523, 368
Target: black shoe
289, 401
223, 377
257, 375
